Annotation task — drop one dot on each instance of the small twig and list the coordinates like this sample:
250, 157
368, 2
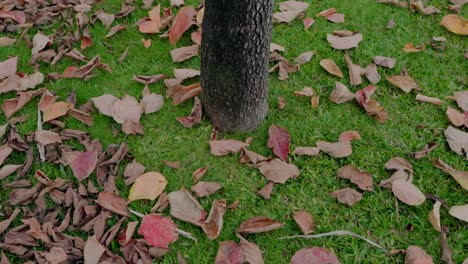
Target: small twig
39, 128
136, 213
397, 211
337, 233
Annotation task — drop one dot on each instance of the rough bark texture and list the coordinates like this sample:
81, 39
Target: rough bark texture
235, 48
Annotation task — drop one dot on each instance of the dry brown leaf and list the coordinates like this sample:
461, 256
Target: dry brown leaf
419, 6
186, 208
304, 57
309, 151
434, 216
286, 16
336, 149
277, 170
407, 192
308, 22
341, 94
258, 224
151, 102
425, 151
275, 47
457, 140
331, 67
114, 30
182, 22
195, 116
198, 173
147, 186
385, 61
214, 223
153, 25
126, 109
146, 42
281, 102
184, 53
416, 255
460, 212
460, 176
93, 250
8, 67
362, 179
227, 146
293, 6
326, 12
307, 91
229, 253
266, 191
372, 74
252, 253
202, 189
462, 99
7, 170
21, 82
113, 203
183, 74
455, 24
6, 41
427, 99
342, 43
5, 151
106, 19
46, 137
56, 110
40, 41
104, 103
398, 163
410, 48
457, 118
314, 255
355, 71
347, 196
404, 82
305, 221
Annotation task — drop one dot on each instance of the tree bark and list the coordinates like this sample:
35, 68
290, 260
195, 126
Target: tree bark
236, 36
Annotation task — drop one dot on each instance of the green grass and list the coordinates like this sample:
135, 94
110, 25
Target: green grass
410, 126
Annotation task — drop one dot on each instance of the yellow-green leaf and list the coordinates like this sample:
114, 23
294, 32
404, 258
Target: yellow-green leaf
147, 186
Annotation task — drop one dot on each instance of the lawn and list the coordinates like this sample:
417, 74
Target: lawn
410, 126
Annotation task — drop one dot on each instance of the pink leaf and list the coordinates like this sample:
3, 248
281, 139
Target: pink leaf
279, 140
158, 230
84, 165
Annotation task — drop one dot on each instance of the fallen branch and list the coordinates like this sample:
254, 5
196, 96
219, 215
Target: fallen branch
337, 233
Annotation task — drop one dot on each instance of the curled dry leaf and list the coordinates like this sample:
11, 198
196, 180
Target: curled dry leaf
40, 41
372, 107
434, 216
462, 99
113, 203
347, 196
355, 71
427, 99
460, 176
252, 253
457, 118
214, 223
144, 79
304, 57
326, 12
158, 231
398, 163
229, 253
279, 140
266, 191
198, 173
307, 91
314, 255
362, 179
202, 189
425, 151
419, 6
184, 53
404, 82
336, 18
5, 151
195, 115
457, 140
331, 67
305, 221
258, 224
227, 146
275, 47
342, 43
277, 170
114, 30
84, 164
127, 233
147, 187
460, 212
126, 109
186, 208
407, 192
341, 94
308, 22
309, 151
182, 22
455, 24
385, 61
56, 110
416, 255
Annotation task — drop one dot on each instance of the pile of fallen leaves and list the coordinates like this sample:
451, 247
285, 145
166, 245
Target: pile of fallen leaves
88, 202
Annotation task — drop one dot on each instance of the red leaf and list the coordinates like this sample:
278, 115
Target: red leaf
183, 21
84, 165
314, 255
279, 140
158, 230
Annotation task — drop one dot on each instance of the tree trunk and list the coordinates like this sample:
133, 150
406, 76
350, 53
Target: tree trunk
235, 49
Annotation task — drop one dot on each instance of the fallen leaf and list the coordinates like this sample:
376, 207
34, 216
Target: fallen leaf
195, 115
341, 94
355, 71
404, 82
308, 22
362, 179
127, 233
229, 253
281, 102
336, 18
106, 19
385, 61
184, 53
460, 212
434, 216
146, 42
84, 164
147, 187
158, 231
5, 151
398, 163
278, 171
154, 24
113, 203
186, 208
148, 79
177, 3
214, 223
266, 191
8, 67
46, 137
275, 47
56, 255
7, 222
416, 255
410, 48
293, 6
7, 170
202, 189
227, 146
6, 41
279, 140
347, 196
460, 176
126, 109
309, 151
419, 6
21, 83
258, 224
425, 151
151, 102
183, 74
286, 16
342, 43
314, 255
331, 67
114, 30
372, 74
372, 107
307, 91
198, 173
326, 12
40, 41
304, 57
457, 140
93, 250
305, 221
455, 24
337, 149
182, 22
457, 118
314, 101
407, 192
462, 99
252, 253
427, 99
104, 103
